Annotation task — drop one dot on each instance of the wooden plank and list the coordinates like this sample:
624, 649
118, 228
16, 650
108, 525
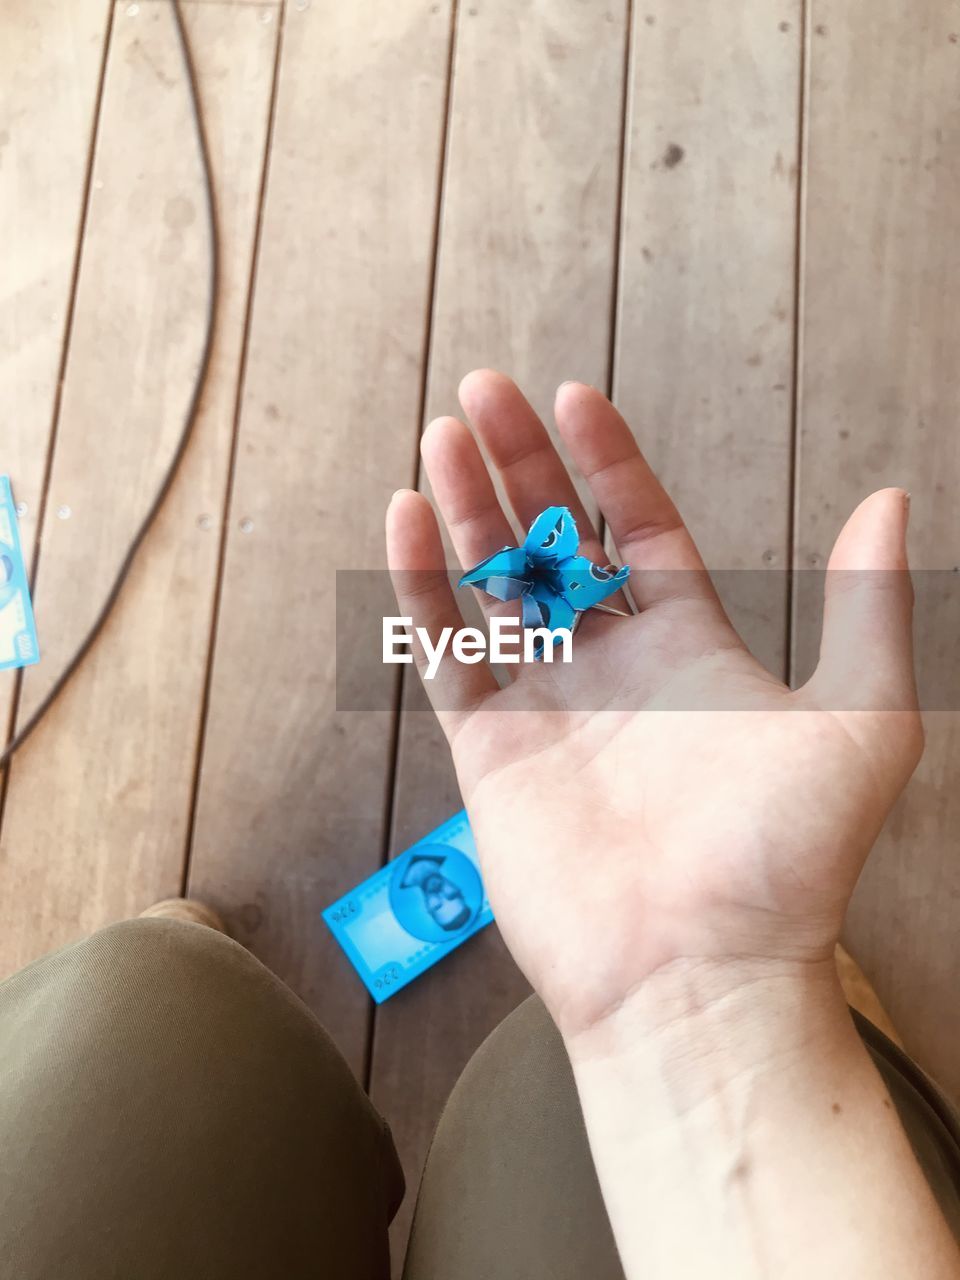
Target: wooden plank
264, 6
524, 284
271, 6
291, 808
879, 392
99, 801
45, 145
705, 351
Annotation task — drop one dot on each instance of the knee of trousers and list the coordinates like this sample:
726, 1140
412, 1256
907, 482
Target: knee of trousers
509, 1187
163, 1064
153, 1009
148, 996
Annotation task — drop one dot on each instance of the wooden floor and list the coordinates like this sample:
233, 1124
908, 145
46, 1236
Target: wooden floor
740, 218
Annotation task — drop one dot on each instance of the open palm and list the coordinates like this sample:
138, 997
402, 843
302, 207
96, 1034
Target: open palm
663, 798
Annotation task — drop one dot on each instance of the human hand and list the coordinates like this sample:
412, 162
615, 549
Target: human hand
663, 801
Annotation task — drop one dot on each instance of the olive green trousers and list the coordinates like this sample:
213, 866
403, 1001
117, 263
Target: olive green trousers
169, 1110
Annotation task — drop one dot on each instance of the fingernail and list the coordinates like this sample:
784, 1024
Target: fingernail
906, 506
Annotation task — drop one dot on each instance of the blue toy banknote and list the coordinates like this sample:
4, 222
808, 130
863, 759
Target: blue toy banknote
414, 911
18, 632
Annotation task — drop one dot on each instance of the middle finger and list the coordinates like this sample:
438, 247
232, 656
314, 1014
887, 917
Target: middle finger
532, 472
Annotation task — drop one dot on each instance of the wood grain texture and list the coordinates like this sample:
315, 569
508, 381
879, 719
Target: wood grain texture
263, 6
704, 362
99, 801
524, 284
291, 809
880, 389
45, 141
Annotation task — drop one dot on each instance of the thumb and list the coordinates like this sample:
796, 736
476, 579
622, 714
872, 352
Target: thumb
866, 650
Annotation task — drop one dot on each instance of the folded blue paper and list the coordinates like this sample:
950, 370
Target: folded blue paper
414, 911
18, 632
552, 582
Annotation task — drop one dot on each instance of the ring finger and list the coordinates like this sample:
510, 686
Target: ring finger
467, 500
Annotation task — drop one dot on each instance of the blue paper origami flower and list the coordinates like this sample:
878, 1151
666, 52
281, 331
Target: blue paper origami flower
552, 582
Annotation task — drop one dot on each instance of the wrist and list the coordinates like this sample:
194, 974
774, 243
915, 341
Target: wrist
742, 1096
696, 1023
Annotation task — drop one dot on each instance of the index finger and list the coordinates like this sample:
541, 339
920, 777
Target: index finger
645, 524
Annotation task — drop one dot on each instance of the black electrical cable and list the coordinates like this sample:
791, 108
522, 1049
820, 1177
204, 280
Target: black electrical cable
190, 418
